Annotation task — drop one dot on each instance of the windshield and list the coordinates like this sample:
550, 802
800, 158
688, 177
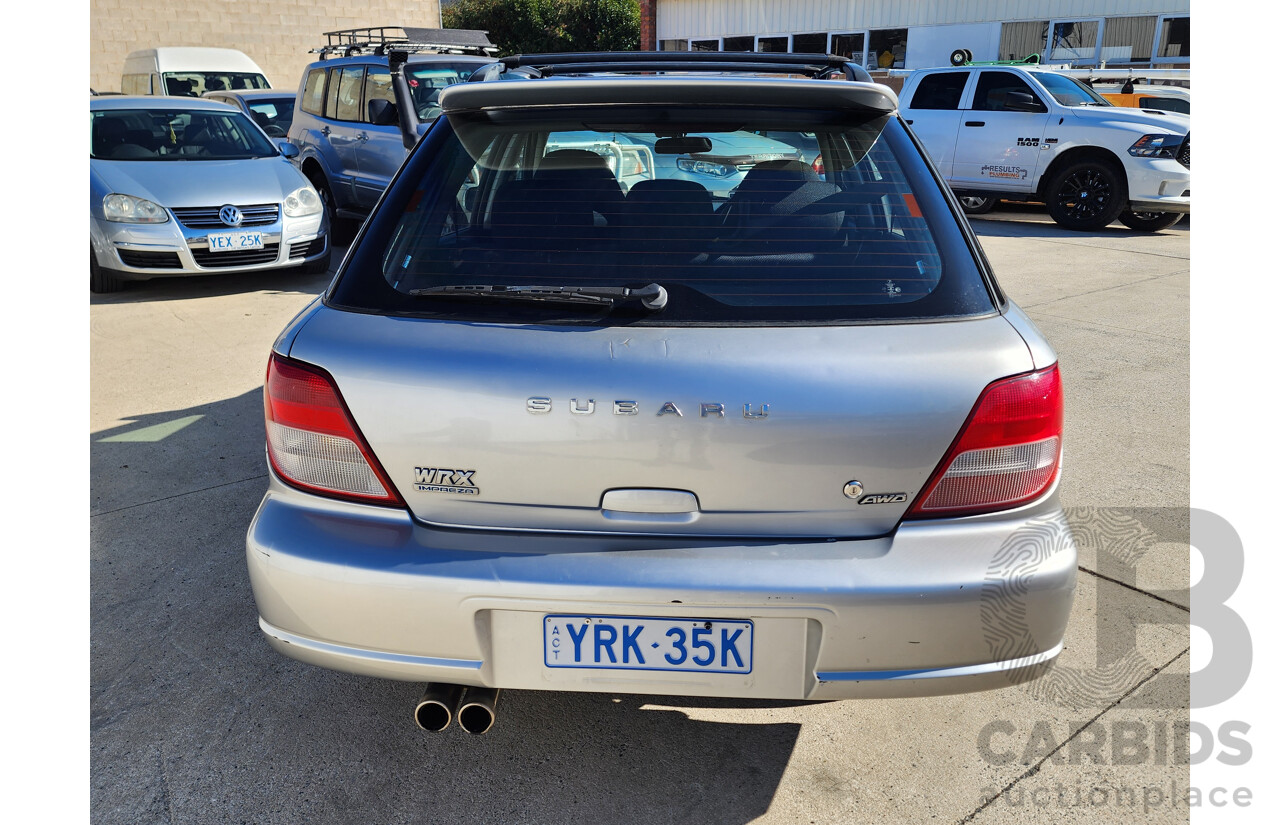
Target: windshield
427, 81
274, 116
733, 225
175, 134
194, 84
1068, 91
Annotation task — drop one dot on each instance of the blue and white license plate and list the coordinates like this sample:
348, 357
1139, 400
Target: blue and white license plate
234, 241
647, 643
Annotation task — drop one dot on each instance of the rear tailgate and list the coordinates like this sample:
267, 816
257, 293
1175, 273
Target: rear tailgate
697, 431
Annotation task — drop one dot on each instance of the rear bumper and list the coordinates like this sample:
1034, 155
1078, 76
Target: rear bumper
925, 611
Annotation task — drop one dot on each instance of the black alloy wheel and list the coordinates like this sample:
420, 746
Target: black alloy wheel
1086, 196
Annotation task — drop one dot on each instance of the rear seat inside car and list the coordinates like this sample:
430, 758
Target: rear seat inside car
569, 220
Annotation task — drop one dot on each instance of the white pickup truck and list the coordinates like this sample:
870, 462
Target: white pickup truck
1030, 133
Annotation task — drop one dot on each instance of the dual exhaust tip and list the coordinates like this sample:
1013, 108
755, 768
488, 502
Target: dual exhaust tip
475, 707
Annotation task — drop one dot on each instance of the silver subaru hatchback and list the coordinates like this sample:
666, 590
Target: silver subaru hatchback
788, 442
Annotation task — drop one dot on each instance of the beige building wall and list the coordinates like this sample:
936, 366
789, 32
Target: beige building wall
276, 34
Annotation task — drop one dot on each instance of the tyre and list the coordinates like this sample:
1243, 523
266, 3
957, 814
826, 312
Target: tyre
102, 280
958, 57
320, 265
968, 56
321, 185
1086, 195
341, 230
977, 204
1149, 221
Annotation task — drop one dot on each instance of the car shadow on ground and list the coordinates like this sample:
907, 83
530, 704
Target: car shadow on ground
194, 718
207, 286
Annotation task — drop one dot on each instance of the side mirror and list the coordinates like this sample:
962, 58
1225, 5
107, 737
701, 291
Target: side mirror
287, 149
383, 113
1022, 102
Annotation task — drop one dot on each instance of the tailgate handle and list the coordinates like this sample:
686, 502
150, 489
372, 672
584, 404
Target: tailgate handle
649, 500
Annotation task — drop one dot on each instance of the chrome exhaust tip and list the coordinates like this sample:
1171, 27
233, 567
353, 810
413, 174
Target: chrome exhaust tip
436, 707
478, 709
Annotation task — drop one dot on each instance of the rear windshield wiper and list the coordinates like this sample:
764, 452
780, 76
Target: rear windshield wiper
652, 297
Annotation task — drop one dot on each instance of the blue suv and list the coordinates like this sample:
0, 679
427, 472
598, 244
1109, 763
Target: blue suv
349, 125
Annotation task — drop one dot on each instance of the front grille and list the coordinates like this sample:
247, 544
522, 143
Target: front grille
206, 217
1184, 153
150, 260
305, 249
267, 254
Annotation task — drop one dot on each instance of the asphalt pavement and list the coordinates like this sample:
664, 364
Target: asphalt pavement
194, 719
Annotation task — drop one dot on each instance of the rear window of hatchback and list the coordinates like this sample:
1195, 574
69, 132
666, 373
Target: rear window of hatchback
729, 210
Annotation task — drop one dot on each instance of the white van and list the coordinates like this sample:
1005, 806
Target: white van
188, 71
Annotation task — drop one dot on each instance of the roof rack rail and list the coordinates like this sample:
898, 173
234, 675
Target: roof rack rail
382, 39
820, 66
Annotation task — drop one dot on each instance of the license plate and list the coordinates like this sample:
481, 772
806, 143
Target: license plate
234, 241
647, 643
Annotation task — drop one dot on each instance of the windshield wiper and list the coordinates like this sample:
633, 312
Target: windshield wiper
652, 297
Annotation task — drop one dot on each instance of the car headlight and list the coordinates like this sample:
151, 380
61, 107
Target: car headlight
704, 167
128, 209
302, 202
1156, 146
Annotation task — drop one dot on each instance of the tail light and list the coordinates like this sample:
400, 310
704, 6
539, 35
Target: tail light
1007, 453
818, 168
312, 441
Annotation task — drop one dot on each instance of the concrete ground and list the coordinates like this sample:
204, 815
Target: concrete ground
195, 720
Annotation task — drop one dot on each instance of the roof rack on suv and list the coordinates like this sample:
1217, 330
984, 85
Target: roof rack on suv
382, 39
820, 66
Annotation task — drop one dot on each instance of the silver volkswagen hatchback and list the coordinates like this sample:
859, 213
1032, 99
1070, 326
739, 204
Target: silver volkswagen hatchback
180, 186
792, 443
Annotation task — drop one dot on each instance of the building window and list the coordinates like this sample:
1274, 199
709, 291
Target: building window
673, 45
1074, 41
704, 45
740, 44
888, 48
1127, 39
809, 43
851, 46
771, 44
1175, 39
1019, 40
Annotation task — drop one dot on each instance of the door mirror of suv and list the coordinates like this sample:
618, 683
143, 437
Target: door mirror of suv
1022, 102
383, 113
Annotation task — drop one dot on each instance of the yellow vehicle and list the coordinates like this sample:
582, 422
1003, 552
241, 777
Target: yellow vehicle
1142, 96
